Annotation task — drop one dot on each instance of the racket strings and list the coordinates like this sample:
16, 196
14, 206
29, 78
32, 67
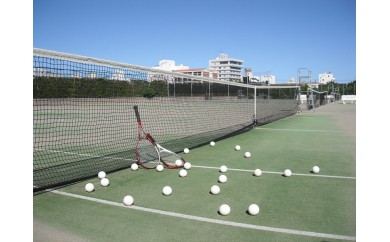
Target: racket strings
147, 154
169, 159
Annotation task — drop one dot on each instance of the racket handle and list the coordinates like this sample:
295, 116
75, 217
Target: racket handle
137, 113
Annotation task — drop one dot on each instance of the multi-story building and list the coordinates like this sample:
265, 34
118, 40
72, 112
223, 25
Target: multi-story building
199, 72
228, 69
326, 77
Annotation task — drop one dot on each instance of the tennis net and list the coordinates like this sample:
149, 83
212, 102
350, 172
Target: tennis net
84, 121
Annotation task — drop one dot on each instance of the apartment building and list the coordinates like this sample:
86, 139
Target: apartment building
228, 69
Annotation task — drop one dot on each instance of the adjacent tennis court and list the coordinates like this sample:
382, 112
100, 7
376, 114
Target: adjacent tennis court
303, 207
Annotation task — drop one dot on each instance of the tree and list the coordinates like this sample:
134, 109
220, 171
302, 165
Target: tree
305, 87
149, 92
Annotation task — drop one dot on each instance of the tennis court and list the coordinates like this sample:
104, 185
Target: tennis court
302, 207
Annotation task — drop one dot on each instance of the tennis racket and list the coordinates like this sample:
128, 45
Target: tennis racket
150, 154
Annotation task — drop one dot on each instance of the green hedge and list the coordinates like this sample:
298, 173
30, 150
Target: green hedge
59, 87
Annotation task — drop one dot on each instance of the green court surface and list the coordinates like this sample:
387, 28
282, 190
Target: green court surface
302, 207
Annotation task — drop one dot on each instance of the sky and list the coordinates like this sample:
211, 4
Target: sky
272, 37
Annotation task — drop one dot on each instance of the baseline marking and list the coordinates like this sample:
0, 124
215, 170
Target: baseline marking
209, 220
279, 173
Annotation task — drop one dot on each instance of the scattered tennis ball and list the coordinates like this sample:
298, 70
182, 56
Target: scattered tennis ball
222, 179
223, 169
134, 166
253, 209
104, 182
224, 209
257, 172
316, 169
215, 189
247, 154
238, 147
102, 175
186, 150
89, 187
128, 200
159, 167
287, 172
183, 173
167, 190
179, 162
212, 143
187, 165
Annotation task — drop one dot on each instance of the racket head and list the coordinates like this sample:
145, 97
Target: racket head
147, 154
169, 158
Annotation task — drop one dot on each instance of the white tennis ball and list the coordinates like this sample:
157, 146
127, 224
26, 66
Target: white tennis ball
247, 154
167, 190
102, 175
128, 200
89, 187
238, 147
179, 162
212, 143
222, 179
183, 173
253, 209
186, 150
187, 165
134, 166
287, 172
316, 169
223, 169
257, 172
104, 182
215, 189
224, 209
159, 167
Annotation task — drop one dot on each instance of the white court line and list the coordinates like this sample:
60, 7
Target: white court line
304, 130
207, 167
279, 173
209, 220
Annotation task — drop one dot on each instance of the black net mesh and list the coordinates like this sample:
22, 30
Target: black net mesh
84, 119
